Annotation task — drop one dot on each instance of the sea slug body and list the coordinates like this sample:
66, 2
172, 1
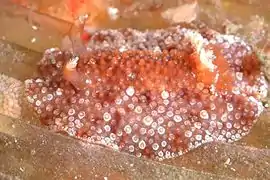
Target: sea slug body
154, 93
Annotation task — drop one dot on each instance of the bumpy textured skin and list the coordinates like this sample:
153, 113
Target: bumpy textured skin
147, 93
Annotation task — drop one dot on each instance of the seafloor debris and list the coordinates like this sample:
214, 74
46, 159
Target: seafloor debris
154, 93
183, 13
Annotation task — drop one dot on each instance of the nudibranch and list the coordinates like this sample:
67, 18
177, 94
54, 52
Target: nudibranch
153, 93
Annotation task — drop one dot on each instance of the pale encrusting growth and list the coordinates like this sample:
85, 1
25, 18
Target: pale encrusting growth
154, 93
11, 91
